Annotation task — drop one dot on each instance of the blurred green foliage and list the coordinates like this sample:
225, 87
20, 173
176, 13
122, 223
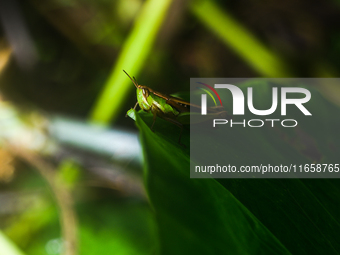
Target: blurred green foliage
83, 46
132, 57
245, 216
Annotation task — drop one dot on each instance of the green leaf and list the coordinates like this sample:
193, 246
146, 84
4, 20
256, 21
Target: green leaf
196, 216
302, 213
246, 216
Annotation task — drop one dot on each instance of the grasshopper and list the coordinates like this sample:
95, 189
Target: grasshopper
169, 108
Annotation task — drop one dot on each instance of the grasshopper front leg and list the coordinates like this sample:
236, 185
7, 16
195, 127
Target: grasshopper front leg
135, 106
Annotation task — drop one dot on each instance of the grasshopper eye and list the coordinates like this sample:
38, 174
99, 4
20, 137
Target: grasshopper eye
145, 92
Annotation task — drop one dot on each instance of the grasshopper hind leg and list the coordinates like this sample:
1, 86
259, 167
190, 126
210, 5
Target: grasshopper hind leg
154, 120
180, 135
178, 124
156, 110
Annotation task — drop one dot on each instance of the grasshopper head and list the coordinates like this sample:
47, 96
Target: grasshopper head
145, 90
140, 88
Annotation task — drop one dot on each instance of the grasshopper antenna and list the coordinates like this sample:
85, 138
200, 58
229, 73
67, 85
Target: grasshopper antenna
134, 81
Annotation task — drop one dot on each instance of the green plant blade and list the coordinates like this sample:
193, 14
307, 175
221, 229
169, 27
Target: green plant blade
239, 216
132, 57
234, 35
196, 216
